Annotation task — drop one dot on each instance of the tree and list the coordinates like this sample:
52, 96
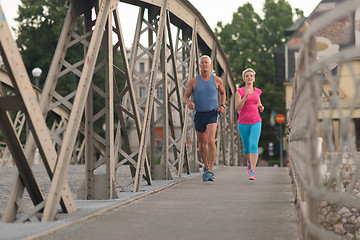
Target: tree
250, 41
278, 17
241, 40
40, 24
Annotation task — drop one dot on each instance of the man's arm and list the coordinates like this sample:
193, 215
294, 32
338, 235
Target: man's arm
191, 85
222, 94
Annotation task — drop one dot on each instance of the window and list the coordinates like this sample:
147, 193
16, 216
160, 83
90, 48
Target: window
159, 112
141, 92
159, 92
141, 67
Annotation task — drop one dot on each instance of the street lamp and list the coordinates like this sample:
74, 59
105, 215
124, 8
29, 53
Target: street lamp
36, 72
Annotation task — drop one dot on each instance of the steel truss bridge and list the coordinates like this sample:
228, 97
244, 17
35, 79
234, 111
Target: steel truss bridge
62, 125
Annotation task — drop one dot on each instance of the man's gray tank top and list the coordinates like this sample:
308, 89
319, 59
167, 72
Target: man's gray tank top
205, 94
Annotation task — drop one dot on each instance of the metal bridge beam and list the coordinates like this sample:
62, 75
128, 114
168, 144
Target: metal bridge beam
173, 62
30, 105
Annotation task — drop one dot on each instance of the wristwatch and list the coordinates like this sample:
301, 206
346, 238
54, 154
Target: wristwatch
222, 105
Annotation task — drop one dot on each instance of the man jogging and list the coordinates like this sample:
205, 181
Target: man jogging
205, 88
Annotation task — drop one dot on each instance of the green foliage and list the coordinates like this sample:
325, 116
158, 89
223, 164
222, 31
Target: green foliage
240, 39
250, 41
40, 24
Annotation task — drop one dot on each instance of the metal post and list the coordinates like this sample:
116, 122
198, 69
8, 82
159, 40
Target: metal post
281, 147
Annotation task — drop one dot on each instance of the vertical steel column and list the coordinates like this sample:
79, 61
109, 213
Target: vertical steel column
231, 123
75, 116
150, 99
193, 71
183, 51
90, 160
175, 105
219, 138
227, 144
153, 29
165, 107
109, 104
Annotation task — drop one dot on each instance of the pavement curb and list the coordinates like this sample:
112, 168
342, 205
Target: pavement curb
108, 209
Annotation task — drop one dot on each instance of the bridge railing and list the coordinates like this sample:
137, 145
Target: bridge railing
323, 131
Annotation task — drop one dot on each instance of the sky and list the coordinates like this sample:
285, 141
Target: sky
212, 10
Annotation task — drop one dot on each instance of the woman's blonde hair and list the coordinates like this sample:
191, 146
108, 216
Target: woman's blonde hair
248, 70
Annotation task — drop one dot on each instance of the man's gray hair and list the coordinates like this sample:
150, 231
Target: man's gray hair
206, 57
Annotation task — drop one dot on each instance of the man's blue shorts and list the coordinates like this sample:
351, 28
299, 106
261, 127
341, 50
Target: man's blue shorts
201, 119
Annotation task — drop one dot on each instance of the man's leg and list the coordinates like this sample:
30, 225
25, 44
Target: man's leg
202, 141
203, 150
210, 134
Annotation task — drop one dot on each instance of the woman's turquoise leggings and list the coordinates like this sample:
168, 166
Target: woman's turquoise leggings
250, 135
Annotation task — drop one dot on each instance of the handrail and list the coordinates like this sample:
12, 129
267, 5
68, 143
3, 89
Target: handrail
323, 157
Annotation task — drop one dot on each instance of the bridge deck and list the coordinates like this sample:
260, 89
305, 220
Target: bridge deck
230, 208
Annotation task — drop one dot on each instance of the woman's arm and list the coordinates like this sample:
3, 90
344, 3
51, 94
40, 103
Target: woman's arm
261, 107
239, 102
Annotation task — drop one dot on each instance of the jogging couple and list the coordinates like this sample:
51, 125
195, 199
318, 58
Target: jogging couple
205, 88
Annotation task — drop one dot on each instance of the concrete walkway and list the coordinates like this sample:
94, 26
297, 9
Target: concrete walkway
230, 208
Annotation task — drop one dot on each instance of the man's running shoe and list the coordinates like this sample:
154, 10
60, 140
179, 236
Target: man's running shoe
252, 175
211, 176
205, 175
248, 166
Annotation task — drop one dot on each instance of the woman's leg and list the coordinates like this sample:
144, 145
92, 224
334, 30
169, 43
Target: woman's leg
255, 132
244, 130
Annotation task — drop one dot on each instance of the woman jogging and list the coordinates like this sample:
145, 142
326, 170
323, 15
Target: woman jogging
248, 103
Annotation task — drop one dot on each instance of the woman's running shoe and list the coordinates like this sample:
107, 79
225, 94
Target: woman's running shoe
252, 175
